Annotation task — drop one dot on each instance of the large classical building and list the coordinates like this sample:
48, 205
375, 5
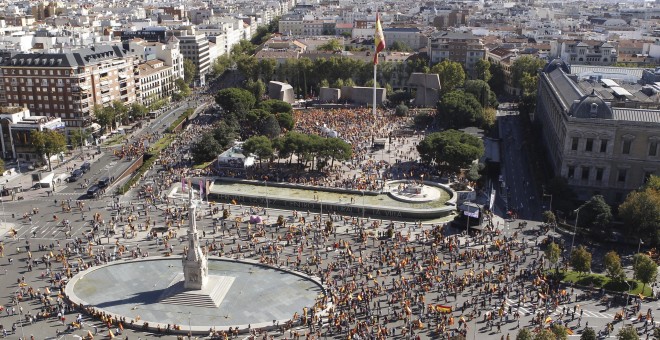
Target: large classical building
600, 135
68, 85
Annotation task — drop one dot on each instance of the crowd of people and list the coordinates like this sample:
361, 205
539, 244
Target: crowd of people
383, 279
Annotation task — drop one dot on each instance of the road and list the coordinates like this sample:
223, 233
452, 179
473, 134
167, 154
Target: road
41, 229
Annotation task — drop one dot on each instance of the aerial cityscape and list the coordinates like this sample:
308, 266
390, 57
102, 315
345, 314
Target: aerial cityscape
329, 170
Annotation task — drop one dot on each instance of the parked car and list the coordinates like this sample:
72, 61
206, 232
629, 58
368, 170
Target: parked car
93, 191
75, 175
104, 182
85, 167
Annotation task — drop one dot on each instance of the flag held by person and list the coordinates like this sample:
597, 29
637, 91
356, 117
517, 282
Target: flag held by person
379, 39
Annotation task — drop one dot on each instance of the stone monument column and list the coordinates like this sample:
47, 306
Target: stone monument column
195, 261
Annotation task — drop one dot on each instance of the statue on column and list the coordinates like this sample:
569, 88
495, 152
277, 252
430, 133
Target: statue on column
195, 261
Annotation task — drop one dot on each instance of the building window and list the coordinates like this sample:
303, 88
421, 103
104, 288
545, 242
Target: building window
603, 145
599, 174
585, 172
653, 148
590, 145
622, 175
574, 143
626, 147
571, 171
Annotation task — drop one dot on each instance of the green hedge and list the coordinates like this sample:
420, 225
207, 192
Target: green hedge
178, 121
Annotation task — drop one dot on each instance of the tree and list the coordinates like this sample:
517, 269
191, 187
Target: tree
549, 217
595, 213
138, 110
270, 127
286, 121
48, 143
105, 116
627, 333
525, 64
588, 334
182, 87
235, 100
77, 137
641, 211
401, 110
545, 334
457, 110
423, 119
257, 88
206, 149
474, 174
581, 260
189, 71
221, 64
481, 90
260, 146
645, 269
276, 106
451, 148
552, 253
399, 46
2, 165
559, 331
451, 74
225, 133
244, 47
612, 263
121, 111
524, 334
497, 80
331, 45
482, 70
248, 65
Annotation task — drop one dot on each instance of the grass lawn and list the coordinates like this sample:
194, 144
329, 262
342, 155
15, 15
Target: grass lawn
203, 165
599, 280
162, 143
116, 139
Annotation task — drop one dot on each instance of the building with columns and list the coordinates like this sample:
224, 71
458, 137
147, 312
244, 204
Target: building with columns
601, 138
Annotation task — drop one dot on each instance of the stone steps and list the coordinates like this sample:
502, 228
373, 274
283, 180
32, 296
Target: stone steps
211, 296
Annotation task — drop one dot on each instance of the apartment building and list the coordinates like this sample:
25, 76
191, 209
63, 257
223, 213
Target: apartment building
68, 85
195, 47
462, 47
596, 136
153, 81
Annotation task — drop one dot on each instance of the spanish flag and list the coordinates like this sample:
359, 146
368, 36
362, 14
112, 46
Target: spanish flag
379, 39
569, 331
548, 320
443, 309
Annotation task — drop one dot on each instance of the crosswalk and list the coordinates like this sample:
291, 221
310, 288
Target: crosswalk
526, 308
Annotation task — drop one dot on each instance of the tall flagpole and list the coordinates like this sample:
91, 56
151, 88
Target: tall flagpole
379, 45
375, 67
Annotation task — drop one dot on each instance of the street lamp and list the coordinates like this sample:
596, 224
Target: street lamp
627, 301
577, 215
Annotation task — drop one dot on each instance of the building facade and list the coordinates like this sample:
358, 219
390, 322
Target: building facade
68, 85
16, 127
153, 81
599, 147
464, 48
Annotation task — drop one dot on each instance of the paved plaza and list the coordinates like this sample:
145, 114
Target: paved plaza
427, 279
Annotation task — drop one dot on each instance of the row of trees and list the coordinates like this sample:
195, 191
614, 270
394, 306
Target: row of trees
118, 112
640, 211
559, 332
241, 108
310, 150
644, 268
